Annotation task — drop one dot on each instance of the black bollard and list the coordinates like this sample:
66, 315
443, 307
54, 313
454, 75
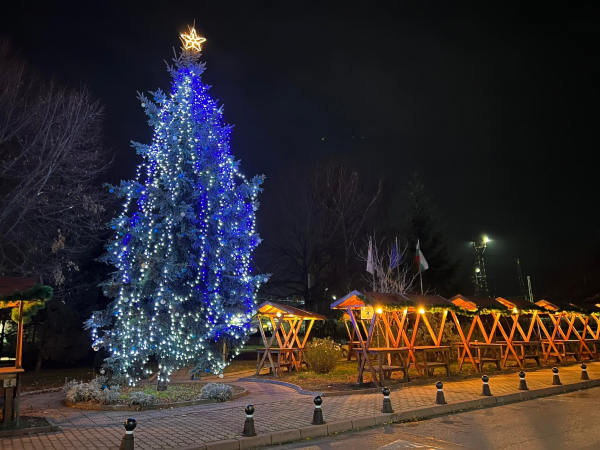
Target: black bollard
486, 387
387, 403
318, 413
439, 398
584, 374
249, 423
522, 382
555, 377
127, 441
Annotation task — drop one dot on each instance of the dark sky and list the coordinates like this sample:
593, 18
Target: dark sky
495, 104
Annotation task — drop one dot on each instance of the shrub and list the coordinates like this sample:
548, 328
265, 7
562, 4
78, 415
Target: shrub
218, 391
120, 380
69, 385
140, 398
109, 395
321, 355
83, 392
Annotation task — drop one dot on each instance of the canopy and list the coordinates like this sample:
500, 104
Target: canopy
391, 302
473, 304
271, 309
521, 304
24, 295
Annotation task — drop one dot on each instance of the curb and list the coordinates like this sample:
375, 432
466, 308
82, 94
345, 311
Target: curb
41, 391
282, 383
154, 406
330, 428
398, 386
393, 387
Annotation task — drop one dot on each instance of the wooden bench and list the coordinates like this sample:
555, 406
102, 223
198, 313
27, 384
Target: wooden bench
564, 347
383, 370
438, 352
525, 350
282, 360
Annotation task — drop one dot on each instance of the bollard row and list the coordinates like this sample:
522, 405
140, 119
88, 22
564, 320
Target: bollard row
387, 403
555, 377
249, 429
439, 398
522, 382
127, 443
584, 374
318, 412
486, 387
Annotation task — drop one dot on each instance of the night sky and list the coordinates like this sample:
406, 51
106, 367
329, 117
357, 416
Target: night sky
496, 106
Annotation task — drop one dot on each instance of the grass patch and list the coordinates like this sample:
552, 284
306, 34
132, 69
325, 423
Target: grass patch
47, 379
344, 376
175, 393
241, 365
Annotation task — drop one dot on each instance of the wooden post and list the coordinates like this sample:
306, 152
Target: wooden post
467, 350
508, 342
551, 338
19, 346
364, 347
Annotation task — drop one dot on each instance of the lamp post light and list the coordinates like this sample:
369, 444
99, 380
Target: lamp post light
480, 278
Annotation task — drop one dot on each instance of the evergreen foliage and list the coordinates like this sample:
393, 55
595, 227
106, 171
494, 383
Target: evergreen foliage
421, 223
182, 245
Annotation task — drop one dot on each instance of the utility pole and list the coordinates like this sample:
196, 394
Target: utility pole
530, 290
521, 284
480, 277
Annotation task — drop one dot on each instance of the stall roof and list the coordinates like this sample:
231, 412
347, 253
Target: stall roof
547, 305
357, 299
289, 312
556, 306
473, 303
8, 285
519, 303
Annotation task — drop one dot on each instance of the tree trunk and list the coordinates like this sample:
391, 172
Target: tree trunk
40, 358
162, 381
2, 337
38, 364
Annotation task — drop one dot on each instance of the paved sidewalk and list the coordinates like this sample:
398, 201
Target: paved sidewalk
278, 408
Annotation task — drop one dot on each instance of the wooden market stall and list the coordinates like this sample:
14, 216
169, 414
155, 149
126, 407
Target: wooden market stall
286, 322
474, 351
564, 345
514, 339
24, 296
526, 333
398, 316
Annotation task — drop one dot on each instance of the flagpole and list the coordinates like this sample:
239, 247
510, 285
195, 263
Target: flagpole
421, 277
398, 257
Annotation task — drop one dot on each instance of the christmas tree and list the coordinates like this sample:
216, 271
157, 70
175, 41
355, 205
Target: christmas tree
183, 289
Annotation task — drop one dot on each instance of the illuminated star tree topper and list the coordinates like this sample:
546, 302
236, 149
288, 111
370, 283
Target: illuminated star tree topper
183, 288
191, 40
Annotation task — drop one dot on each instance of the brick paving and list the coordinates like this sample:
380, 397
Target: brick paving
278, 408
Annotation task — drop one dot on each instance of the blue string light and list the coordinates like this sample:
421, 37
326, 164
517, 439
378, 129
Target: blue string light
183, 242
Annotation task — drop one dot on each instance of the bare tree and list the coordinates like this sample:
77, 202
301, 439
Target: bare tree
320, 215
385, 278
52, 209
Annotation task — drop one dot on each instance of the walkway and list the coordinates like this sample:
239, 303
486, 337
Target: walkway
278, 408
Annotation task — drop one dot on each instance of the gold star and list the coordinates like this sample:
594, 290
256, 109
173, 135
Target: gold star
191, 40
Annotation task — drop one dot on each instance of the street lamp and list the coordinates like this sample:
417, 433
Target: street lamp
480, 278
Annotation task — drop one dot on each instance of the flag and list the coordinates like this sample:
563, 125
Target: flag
420, 259
395, 258
370, 259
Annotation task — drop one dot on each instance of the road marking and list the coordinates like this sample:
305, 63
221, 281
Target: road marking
400, 444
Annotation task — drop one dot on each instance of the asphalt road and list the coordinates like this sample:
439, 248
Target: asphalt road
567, 421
